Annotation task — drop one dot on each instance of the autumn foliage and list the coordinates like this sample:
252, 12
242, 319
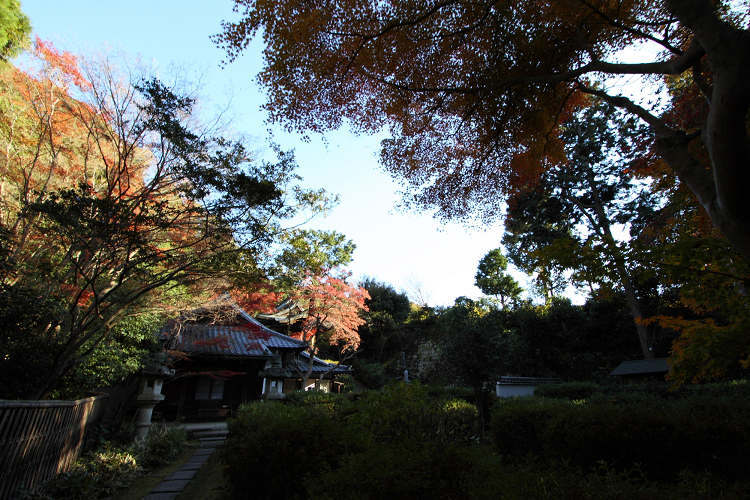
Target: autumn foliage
115, 201
333, 308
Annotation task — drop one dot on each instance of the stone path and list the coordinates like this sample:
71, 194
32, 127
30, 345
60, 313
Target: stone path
173, 485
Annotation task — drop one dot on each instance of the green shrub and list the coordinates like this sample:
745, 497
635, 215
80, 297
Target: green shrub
113, 467
348, 383
408, 441
623, 436
436, 391
616, 389
95, 475
161, 445
715, 434
323, 400
519, 425
386, 470
272, 447
453, 471
559, 480
405, 413
739, 389
370, 374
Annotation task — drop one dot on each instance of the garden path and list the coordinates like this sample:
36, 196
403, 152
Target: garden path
210, 436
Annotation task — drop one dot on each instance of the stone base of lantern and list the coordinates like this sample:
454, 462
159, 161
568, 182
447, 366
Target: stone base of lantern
146, 403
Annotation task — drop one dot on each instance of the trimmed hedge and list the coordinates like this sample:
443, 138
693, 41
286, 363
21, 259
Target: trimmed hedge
405, 414
410, 442
651, 388
450, 472
567, 390
662, 437
272, 447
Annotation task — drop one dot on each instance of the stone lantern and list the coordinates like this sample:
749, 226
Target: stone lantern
152, 378
274, 377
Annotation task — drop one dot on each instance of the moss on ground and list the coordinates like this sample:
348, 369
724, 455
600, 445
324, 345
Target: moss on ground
210, 483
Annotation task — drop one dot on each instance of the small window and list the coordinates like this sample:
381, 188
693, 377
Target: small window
209, 388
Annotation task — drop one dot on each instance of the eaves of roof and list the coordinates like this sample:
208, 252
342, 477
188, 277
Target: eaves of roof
320, 366
532, 381
642, 366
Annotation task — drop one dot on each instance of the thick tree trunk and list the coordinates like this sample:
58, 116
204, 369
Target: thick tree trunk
723, 194
308, 372
633, 303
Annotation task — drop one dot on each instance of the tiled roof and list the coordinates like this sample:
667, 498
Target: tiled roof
276, 340
320, 366
279, 341
641, 366
528, 381
218, 339
287, 312
247, 339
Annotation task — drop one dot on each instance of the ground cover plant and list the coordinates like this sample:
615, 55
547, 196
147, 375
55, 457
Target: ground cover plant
113, 466
408, 441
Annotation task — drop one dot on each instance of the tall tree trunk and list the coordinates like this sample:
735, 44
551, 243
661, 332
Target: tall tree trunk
480, 393
602, 227
622, 272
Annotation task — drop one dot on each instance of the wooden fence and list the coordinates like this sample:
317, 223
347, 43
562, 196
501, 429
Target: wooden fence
39, 439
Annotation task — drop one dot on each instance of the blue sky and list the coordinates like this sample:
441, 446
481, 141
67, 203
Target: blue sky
392, 247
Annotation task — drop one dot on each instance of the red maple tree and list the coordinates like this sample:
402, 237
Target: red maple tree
333, 308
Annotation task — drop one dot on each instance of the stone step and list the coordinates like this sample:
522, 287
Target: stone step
211, 443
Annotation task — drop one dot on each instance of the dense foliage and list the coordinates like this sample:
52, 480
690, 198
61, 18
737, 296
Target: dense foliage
493, 279
15, 29
383, 334
269, 443
414, 442
332, 316
472, 343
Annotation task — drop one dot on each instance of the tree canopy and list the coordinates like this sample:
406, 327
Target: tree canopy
386, 314
477, 348
492, 278
585, 201
313, 251
15, 29
474, 92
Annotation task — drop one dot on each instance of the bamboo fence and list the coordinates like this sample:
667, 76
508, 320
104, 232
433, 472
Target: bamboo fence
39, 439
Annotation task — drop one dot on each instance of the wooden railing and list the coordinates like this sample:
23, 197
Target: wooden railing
39, 439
